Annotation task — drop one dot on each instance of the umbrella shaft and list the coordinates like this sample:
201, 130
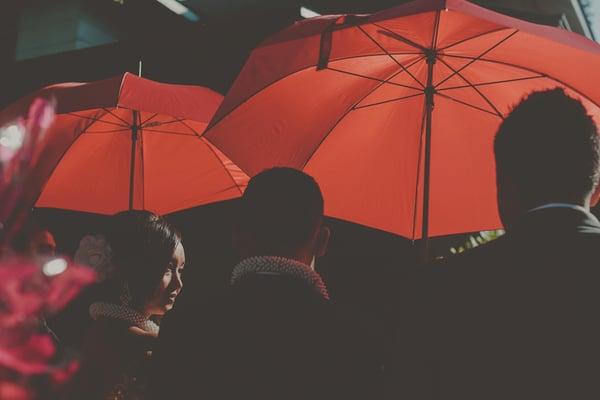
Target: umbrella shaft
134, 133
429, 93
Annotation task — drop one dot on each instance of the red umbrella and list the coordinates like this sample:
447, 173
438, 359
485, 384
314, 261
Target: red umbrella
395, 113
130, 143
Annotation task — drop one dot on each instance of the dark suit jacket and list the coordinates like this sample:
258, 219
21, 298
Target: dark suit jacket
514, 319
271, 337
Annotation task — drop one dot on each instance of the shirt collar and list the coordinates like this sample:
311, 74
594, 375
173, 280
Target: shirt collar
560, 205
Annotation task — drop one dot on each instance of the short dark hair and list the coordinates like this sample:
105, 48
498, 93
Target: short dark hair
548, 147
142, 245
281, 209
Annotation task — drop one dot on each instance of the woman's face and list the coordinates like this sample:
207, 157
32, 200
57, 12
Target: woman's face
169, 287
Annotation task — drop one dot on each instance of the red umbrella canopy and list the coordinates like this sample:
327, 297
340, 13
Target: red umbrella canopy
130, 143
379, 107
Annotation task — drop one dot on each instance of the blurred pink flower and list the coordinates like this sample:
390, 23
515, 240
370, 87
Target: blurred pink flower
29, 357
60, 376
13, 391
41, 115
21, 293
16, 195
65, 286
30, 290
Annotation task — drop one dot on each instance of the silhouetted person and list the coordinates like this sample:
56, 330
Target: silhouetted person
518, 318
35, 241
276, 334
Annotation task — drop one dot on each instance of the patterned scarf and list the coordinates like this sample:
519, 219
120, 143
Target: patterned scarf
123, 313
279, 266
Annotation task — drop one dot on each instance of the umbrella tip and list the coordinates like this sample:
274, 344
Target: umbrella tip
140, 68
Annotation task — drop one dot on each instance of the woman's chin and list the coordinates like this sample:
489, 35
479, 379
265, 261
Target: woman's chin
162, 309
168, 307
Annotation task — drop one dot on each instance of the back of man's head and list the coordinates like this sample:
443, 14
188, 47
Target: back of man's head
280, 212
548, 150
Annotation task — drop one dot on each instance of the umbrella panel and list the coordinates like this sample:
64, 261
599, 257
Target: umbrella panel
173, 166
367, 181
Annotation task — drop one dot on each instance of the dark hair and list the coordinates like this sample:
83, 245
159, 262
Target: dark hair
31, 228
142, 245
281, 209
549, 147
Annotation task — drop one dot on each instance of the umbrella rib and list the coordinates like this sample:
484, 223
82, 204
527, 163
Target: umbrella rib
116, 116
86, 132
196, 133
346, 113
389, 55
388, 101
97, 120
487, 100
473, 37
419, 169
373, 79
215, 122
168, 132
390, 33
214, 153
469, 105
436, 29
149, 118
479, 56
89, 121
542, 75
395, 74
165, 122
492, 83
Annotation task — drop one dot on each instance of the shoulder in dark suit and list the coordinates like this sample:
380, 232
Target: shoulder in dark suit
271, 337
515, 318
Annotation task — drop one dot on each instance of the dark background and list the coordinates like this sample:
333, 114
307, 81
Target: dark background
209, 52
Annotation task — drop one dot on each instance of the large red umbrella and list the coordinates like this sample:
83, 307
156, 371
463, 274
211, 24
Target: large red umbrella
395, 113
130, 143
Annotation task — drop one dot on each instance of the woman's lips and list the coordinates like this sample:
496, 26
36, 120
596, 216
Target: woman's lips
172, 296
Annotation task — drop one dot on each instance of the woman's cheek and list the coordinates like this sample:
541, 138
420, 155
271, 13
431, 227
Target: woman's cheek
166, 281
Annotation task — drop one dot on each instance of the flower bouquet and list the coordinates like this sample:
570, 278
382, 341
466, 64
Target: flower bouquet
31, 366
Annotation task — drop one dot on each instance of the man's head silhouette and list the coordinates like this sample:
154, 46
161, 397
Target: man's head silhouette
281, 214
547, 151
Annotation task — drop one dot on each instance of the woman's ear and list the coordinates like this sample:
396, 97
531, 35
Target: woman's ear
322, 241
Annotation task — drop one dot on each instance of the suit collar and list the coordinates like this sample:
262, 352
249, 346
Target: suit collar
557, 220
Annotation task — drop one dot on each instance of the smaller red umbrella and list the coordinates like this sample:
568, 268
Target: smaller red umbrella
130, 143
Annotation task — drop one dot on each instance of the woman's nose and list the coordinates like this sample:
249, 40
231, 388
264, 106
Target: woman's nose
178, 280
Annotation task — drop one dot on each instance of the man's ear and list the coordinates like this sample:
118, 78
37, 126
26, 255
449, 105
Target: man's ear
322, 241
595, 197
510, 201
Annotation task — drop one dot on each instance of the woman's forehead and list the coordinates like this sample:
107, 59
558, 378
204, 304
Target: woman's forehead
178, 253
